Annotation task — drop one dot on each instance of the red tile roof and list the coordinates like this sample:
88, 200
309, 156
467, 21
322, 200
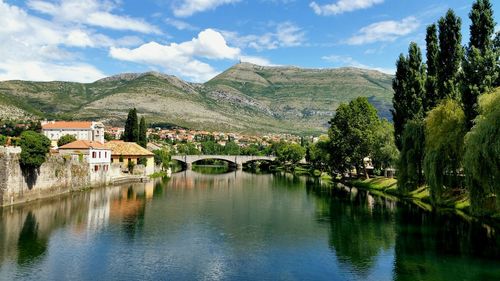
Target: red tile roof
68, 125
83, 144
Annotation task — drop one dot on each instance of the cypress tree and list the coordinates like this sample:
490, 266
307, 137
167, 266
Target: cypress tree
399, 100
480, 62
409, 90
431, 94
496, 49
142, 133
449, 56
131, 132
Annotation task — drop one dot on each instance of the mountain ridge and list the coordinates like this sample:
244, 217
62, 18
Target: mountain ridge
244, 98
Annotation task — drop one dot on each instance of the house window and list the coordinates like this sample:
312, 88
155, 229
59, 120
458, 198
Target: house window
99, 154
96, 168
93, 154
105, 154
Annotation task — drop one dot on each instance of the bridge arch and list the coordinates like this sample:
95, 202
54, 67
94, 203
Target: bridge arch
237, 160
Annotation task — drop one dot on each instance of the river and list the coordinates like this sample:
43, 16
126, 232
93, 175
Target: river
240, 226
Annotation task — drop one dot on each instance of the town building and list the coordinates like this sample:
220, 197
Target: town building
81, 130
95, 154
124, 152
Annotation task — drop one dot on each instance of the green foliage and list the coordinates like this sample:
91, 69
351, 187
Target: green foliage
131, 132
444, 146
142, 139
496, 49
108, 136
431, 91
3, 140
65, 140
385, 153
211, 148
482, 157
162, 158
231, 148
34, 149
480, 61
142, 161
409, 90
410, 175
187, 149
130, 166
290, 153
120, 158
450, 55
319, 153
352, 134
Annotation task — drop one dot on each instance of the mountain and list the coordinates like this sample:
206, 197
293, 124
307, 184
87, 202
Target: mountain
244, 98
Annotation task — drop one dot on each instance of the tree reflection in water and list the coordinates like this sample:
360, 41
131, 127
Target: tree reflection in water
30, 246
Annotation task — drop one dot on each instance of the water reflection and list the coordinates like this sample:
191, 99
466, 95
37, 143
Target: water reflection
240, 226
30, 245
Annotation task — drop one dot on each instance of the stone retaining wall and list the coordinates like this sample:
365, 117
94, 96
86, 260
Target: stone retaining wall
57, 175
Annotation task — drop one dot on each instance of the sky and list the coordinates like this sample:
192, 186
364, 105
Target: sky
85, 40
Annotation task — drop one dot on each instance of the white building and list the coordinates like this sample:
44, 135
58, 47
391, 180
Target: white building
81, 130
95, 154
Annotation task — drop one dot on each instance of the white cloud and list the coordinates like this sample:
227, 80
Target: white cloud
181, 58
189, 7
347, 61
384, 31
256, 60
91, 12
32, 48
180, 25
286, 34
342, 6
47, 71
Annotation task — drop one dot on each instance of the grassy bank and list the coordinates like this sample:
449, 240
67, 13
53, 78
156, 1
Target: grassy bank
459, 204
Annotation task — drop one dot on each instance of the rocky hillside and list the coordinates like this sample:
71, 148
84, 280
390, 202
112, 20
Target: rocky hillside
245, 98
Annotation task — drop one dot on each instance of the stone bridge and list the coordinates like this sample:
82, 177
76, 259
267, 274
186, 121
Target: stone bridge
237, 160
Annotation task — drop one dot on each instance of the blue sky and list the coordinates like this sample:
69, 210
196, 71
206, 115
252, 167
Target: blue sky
84, 40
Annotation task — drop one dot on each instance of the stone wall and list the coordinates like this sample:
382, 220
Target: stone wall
57, 175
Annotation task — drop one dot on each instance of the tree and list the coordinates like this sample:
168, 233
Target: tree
211, 148
3, 140
142, 139
231, 148
290, 153
162, 158
445, 129
410, 175
187, 149
65, 140
385, 153
482, 157
319, 153
131, 132
34, 149
431, 91
399, 101
480, 62
409, 88
351, 134
450, 55
496, 48
108, 136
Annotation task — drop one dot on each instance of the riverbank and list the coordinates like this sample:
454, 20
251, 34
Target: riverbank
388, 188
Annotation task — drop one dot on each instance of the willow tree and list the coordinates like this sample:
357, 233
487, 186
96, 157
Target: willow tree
450, 55
482, 157
480, 62
410, 175
444, 146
